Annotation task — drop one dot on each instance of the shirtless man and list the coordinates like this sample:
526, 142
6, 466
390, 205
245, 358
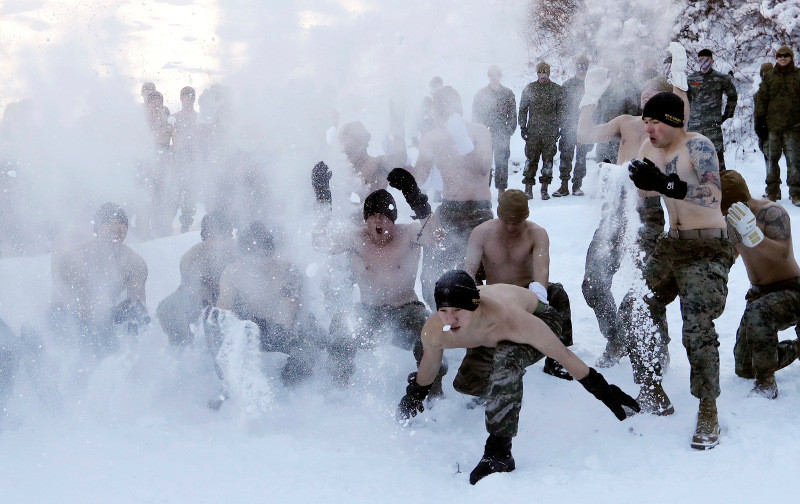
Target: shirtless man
201, 269
90, 279
691, 261
606, 249
372, 170
763, 237
516, 251
266, 289
462, 151
513, 329
184, 157
384, 257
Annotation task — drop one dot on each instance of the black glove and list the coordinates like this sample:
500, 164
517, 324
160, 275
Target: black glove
133, 315
320, 181
412, 402
523, 131
403, 181
647, 176
611, 395
760, 126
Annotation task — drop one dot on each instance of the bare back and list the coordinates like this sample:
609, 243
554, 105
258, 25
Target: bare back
773, 260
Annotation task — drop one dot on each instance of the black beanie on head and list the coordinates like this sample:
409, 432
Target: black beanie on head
380, 202
457, 289
109, 212
665, 107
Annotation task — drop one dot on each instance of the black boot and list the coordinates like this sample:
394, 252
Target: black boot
496, 458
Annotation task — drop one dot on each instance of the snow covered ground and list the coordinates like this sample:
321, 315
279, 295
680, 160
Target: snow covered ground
134, 428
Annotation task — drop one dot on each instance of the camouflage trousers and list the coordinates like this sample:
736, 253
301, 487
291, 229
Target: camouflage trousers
544, 146
787, 143
495, 374
403, 323
568, 146
604, 256
713, 132
770, 308
696, 270
457, 220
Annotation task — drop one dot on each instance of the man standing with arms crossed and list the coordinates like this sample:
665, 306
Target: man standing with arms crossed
691, 261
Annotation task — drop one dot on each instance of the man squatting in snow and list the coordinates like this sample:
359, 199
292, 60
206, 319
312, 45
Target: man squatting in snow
762, 234
512, 329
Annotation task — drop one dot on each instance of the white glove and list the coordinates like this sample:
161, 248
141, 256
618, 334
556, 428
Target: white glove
744, 221
539, 290
677, 70
457, 127
595, 84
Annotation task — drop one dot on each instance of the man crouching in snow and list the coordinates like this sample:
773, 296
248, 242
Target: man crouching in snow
516, 330
265, 289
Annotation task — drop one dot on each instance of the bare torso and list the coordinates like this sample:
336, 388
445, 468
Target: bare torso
464, 178
517, 260
202, 267
769, 262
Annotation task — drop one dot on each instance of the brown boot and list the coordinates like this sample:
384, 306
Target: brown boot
765, 386
563, 190
706, 435
529, 191
545, 194
653, 400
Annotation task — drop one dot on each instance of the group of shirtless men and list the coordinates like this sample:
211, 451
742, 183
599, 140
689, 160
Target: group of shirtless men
518, 316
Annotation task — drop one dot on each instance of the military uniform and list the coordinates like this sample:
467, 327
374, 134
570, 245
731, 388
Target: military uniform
568, 143
778, 104
705, 96
770, 308
495, 374
696, 270
540, 109
497, 110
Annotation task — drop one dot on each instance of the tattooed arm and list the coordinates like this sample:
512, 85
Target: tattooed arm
774, 221
708, 192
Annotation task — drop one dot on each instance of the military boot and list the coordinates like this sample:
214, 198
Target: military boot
576, 188
706, 435
563, 190
529, 191
653, 399
496, 458
545, 194
611, 355
765, 386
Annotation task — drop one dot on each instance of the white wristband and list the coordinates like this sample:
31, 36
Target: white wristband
539, 290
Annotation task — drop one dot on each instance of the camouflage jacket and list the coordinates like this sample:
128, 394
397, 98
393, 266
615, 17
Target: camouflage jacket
496, 109
705, 97
778, 98
540, 108
573, 92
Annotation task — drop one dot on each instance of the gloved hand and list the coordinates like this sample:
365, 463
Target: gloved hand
457, 127
403, 181
320, 181
595, 84
523, 132
540, 291
412, 402
133, 315
611, 395
744, 221
648, 177
677, 69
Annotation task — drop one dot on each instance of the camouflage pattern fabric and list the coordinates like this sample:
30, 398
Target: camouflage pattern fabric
604, 255
539, 146
787, 142
495, 374
361, 328
770, 308
559, 300
457, 220
497, 110
568, 146
778, 98
706, 115
540, 109
697, 272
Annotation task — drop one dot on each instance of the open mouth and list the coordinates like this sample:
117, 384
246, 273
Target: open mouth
379, 230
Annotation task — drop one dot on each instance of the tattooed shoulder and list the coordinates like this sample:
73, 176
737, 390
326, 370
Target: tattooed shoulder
776, 222
672, 166
704, 159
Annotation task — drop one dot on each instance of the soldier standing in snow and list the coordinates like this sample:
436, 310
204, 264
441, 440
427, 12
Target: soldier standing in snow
496, 108
568, 143
508, 328
706, 89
